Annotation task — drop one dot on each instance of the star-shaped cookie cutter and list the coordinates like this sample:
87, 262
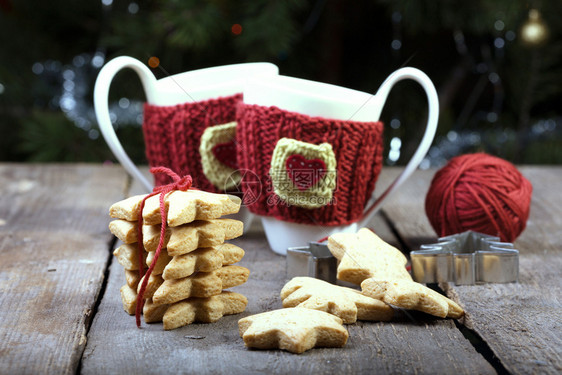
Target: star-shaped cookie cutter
314, 260
466, 258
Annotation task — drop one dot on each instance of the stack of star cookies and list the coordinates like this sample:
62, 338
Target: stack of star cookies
195, 265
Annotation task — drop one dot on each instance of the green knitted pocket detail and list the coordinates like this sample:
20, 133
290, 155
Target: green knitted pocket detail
322, 182
222, 176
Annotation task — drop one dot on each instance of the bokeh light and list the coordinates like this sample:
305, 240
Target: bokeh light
236, 29
153, 62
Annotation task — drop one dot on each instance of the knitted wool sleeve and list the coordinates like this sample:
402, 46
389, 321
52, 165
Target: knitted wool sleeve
172, 135
357, 147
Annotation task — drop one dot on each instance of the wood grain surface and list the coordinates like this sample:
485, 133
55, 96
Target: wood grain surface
55, 258
53, 255
520, 322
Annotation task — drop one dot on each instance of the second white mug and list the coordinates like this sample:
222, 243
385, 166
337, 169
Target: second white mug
313, 152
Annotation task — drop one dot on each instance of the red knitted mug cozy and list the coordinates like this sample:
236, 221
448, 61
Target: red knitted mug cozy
356, 148
172, 135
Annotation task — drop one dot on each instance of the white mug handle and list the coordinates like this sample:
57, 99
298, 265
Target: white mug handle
101, 94
431, 127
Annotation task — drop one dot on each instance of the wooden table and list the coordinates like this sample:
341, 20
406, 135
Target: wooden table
61, 312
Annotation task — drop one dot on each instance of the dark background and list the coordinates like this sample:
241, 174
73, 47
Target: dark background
500, 89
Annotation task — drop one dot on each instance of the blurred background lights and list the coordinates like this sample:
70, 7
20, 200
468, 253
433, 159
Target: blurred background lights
78, 61
484, 106
492, 117
236, 29
124, 103
482, 68
499, 25
133, 8
153, 62
93, 134
425, 164
68, 74
394, 153
452, 136
499, 42
510, 35
67, 103
37, 68
98, 60
534, 31
395, 143
68, 85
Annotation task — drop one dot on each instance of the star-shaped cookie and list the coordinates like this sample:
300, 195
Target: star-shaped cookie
204, 310
205, 259
129, 299
363, 255
201, 284
188, 237
195, 309
413, 296
294, 329
345, 303
380, 269
125, 230
181, 206
127, 256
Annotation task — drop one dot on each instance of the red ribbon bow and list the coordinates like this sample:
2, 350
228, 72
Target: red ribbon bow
179, 183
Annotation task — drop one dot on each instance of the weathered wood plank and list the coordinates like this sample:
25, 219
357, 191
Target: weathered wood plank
521, 322
543, 234
411, 344
53, 254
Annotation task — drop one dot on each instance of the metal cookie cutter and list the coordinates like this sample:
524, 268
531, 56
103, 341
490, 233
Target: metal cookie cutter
466, 258
314, 260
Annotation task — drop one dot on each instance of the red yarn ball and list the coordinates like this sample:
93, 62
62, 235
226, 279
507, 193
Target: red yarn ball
479, 192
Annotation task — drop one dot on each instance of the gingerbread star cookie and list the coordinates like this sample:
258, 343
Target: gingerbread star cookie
161, 262
201, 284
129, 299
188, 237
345, 303
127, 256
205, 259
363, 254
204, 310
380, 269
411, 295
295, 330
125, 230
153, 284
132, 278
181, 207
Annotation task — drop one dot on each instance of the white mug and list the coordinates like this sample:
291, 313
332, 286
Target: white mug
187, 87
334, 102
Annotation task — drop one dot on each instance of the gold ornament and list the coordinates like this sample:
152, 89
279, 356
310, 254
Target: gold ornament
534, 31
